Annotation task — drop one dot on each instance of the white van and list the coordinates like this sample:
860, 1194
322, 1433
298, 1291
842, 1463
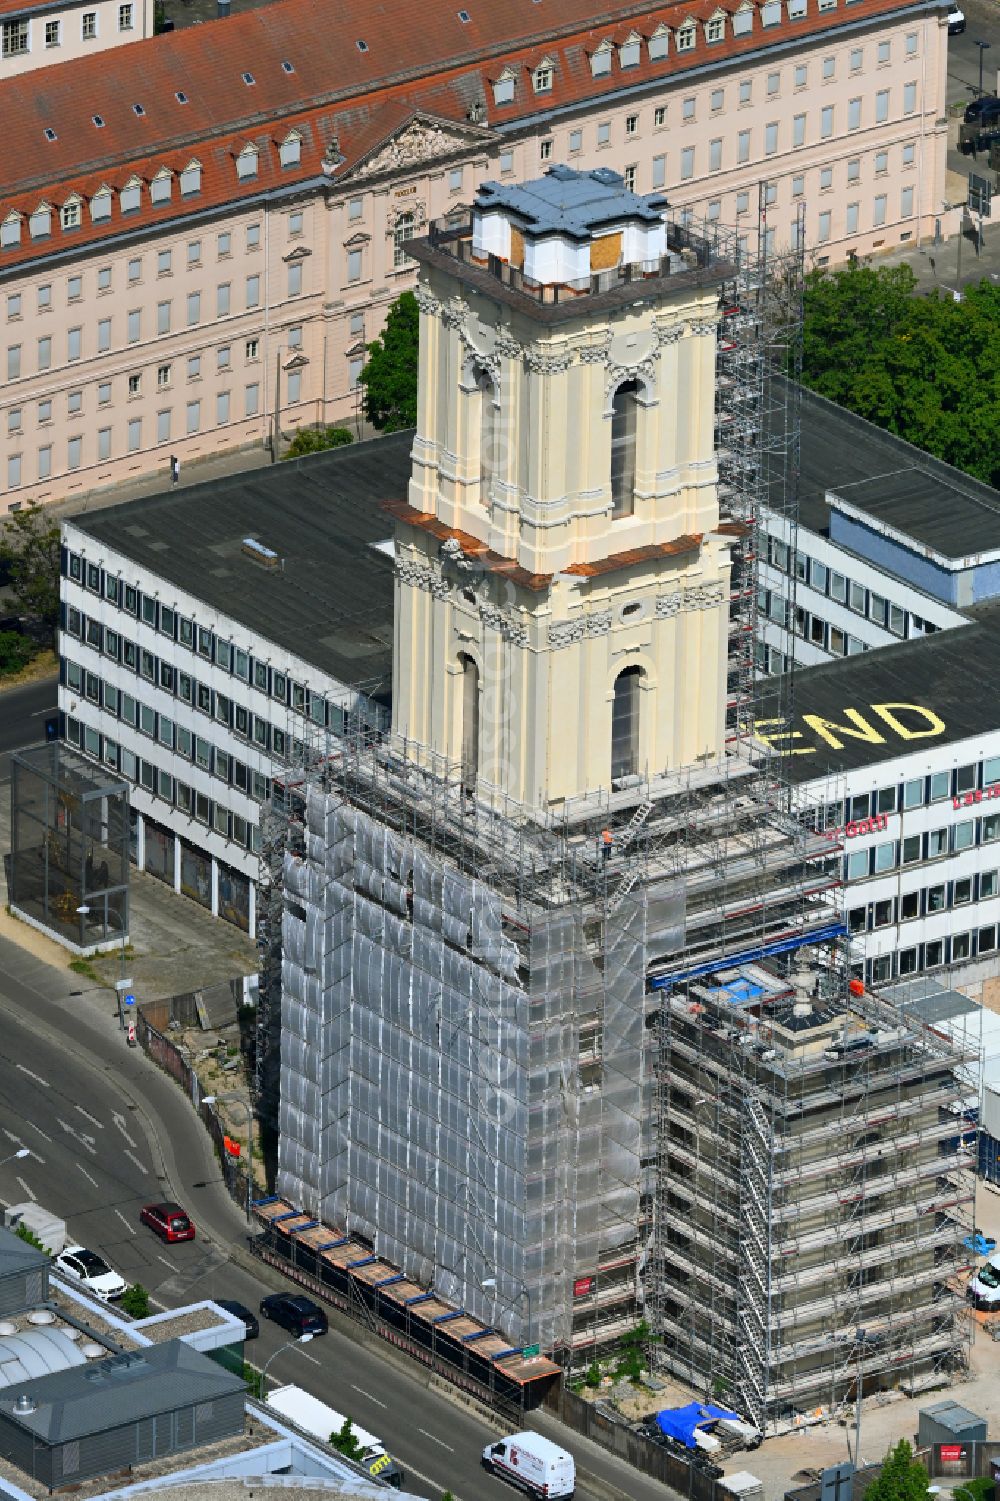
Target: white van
534, 1464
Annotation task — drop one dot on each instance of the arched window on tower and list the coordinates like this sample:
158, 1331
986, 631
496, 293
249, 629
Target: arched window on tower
487, 434
625, 724
470, 723
624, 412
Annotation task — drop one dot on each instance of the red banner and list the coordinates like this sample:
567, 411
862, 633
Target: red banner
582, 1286
231, 1146
950, 1452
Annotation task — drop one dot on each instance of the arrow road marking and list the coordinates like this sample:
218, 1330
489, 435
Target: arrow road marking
119, 1121
37, 1077
91, 1118
368, 1395
87, 1175
27, 1190
85, 1141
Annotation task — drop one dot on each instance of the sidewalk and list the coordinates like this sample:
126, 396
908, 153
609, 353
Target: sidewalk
937, 266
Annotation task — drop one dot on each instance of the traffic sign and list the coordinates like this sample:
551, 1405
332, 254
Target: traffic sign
130, 1000
980, 195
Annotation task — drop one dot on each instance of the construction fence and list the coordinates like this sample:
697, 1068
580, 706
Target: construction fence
170, 1058
603, 1426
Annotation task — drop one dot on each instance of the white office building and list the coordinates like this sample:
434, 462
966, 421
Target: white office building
203, 630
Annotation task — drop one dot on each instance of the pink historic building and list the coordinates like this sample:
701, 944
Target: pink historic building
198, 236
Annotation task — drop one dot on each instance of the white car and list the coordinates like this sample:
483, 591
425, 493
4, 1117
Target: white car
533, 1464
91, 1271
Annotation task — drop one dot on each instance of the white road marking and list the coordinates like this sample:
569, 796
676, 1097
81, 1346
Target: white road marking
87, 1175
128, 1227
39, 1130
435, 1440
119, 1121
435, 1485
165, 1261
133, 1158
310, 1357
11, 1137
91, 1118
38, 713
27, 1190
369, 1396
37, 1077
84, 1140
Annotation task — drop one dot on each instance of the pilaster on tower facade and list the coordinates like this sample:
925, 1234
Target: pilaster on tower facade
562, 583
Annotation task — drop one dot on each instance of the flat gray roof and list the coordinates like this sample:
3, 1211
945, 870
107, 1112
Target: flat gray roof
894, 483
330, 602
945, 675
122, 1389
16, 1255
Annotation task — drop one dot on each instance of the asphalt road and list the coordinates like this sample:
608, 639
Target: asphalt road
23, 712
108, 1131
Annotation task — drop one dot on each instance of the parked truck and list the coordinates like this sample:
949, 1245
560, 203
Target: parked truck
316, 1418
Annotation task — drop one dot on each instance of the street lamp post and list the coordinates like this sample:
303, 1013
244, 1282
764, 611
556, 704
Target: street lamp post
122, 984
247, 1104
983, 47
302, 1339
21, 1152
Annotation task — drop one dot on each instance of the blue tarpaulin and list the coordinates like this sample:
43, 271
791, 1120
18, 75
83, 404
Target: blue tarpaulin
680, 1422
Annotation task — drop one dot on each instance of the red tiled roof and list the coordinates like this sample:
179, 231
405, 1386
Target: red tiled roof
689, 542
334, 88
492, 562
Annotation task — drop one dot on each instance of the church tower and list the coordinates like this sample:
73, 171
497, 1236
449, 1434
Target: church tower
562, 587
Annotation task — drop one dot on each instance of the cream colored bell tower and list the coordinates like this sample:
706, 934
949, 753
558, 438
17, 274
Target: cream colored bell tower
562, 591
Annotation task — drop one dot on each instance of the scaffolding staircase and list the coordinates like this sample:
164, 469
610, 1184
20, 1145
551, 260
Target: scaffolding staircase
627, 838
753, 1313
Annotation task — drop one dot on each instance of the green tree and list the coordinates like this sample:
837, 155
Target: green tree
344, 1442
16, 651
135, 1301
902, 1478
252, 1377
317, 440
632, 1352
921, 367
389, 377
29, 546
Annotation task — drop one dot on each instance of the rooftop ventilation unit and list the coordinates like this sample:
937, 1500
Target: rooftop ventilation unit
23, 1403
265, 556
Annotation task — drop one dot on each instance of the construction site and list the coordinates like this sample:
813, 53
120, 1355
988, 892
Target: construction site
582, 1066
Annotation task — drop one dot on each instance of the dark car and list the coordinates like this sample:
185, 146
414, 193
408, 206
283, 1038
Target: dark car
240, 1311
169, 1221
983, 111
293, 1312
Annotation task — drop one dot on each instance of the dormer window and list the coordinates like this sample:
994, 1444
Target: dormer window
630, 51
40, 223
743, 20
246, 162
10, 231
131, 196
541, 78
290, 150
100, 205
70, 214
191, 179
161, 187
600, 60
770, 14
686, 37
503, 87
659, 43
715, 28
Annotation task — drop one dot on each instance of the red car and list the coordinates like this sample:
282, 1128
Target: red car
168, 1220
